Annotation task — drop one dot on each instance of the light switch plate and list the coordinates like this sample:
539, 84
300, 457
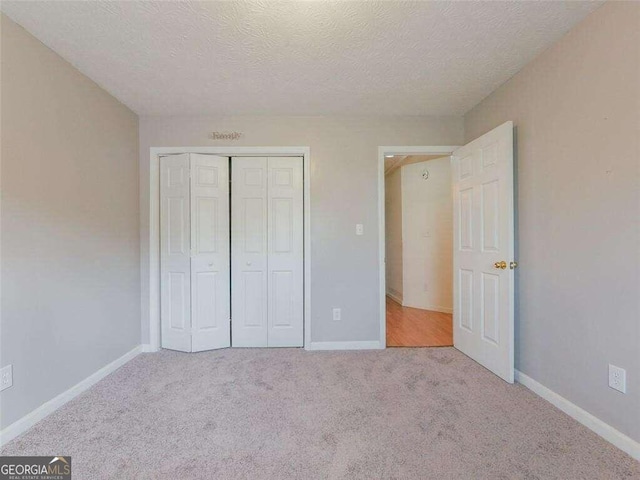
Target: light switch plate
359, 229
337, 314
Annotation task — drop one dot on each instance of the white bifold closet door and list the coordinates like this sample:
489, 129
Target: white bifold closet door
267, 251
194, 252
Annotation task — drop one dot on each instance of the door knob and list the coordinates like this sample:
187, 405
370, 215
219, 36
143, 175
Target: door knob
513, 265
501, 265
248, 264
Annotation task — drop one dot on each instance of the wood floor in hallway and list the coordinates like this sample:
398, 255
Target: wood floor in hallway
413, 327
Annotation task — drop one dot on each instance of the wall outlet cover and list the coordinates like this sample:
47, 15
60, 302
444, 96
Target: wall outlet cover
618, 378
6, 377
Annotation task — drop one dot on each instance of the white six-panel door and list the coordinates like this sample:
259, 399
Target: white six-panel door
285, 252
249, 275
175, 253
194, 259
484, 239
267, 252
210, 266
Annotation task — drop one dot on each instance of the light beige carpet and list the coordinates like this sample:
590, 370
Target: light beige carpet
287, 413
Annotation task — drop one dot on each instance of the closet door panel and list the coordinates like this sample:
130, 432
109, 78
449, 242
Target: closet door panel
249, 274
210, 256
285, 252
175, 241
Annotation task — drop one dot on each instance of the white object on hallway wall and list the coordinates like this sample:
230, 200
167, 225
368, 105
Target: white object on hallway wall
359, 229
483, 322
194, 252
267, 252
427, 235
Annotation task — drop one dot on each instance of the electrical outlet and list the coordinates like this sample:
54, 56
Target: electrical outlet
6, 377
337, 314
618, 378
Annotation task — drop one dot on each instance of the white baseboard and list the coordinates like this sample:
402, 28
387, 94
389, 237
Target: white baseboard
30, 419
606, 431
432, 308
394, 297
367, 345
440, 309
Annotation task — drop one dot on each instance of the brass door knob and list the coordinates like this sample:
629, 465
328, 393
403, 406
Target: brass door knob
501, 265
513, 265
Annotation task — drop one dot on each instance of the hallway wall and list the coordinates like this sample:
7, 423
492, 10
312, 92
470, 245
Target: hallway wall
427, 232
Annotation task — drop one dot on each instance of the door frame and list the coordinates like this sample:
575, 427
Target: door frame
154, 224
445, 150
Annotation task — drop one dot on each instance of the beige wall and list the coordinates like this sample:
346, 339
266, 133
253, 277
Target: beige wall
344, 192
393, 233
69, 223
427, 233
577, 112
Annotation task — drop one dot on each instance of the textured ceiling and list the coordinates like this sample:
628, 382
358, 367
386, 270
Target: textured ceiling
298, 58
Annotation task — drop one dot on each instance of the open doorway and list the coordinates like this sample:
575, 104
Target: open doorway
482, 186
418, 250
483, 251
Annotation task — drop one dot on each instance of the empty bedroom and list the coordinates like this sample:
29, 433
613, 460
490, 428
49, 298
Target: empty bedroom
319, 239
